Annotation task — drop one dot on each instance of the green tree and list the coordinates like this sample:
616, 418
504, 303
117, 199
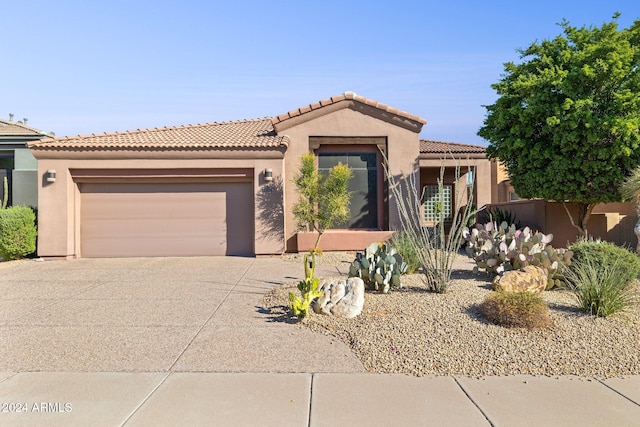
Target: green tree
566, 121
324, 199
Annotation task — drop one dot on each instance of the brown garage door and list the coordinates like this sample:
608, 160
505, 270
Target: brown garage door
166, 219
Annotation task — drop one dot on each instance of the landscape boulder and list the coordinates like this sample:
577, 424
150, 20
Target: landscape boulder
531, 279
343, 298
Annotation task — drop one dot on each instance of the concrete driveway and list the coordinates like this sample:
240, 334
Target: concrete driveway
156, 315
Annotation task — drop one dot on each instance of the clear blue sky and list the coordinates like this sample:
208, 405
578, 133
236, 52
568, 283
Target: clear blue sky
78, 67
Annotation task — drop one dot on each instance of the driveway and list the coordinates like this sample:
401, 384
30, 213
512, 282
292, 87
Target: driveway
200, 314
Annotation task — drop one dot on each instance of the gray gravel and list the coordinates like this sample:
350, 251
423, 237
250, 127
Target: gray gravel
416, 332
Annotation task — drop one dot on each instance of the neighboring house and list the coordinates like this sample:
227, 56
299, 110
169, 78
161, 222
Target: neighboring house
17, 163
226, 188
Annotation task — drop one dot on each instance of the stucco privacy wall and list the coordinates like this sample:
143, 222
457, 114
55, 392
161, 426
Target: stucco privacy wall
363, 121
59, 202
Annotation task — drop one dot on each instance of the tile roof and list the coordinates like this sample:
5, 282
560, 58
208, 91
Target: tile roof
258, 133
11, 128
428, 146
346, 96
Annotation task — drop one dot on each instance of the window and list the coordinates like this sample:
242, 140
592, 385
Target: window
363, 186
433, 203
6, 171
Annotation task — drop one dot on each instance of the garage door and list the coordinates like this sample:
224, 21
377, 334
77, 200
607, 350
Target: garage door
166, 219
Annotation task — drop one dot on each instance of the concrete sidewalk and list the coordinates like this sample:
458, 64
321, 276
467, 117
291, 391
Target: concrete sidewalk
187, 341
263, 399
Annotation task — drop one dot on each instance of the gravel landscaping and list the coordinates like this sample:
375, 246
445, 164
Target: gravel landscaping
413, 331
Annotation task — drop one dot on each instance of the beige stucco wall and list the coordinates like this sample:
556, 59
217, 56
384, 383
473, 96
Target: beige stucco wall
402, 151
59, 202
612, 222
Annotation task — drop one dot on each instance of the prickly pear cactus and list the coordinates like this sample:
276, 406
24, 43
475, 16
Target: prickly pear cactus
499, 248
379, 266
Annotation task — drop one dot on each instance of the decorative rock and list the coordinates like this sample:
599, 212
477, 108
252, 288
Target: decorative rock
344, 298
531, 279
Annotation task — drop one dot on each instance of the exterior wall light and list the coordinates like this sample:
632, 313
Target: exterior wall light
50, 176
268, 175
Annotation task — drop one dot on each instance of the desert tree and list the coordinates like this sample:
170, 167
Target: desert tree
323, 198
566, 120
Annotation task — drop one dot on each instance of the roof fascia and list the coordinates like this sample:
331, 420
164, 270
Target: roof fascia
352, 104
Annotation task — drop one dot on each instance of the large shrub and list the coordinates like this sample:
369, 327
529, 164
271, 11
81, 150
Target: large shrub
17, 232
606, 253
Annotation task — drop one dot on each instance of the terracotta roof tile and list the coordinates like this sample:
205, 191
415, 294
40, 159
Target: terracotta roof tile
10, 128
257, 133
346, 96
428, 146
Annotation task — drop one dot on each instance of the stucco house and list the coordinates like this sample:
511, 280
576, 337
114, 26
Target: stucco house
17, 163
226, 188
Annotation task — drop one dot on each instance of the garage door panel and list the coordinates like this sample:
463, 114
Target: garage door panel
185, 219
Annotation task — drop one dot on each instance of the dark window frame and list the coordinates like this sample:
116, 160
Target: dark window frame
381, 194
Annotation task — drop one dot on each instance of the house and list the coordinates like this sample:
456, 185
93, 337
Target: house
226, 188
17, 163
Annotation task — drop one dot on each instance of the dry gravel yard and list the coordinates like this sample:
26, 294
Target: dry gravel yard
416, 332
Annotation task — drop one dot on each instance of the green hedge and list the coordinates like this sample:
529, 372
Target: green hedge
17, 232
606, 253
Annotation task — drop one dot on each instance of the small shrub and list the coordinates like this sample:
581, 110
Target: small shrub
516, 310
17, 232
606, 253
601, 288
401, 241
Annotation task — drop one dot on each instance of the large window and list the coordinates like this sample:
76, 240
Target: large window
433, 204
363, 186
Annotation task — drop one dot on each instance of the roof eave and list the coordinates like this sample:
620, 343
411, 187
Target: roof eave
452, 155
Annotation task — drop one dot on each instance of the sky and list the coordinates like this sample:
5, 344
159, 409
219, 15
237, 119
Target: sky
82, 67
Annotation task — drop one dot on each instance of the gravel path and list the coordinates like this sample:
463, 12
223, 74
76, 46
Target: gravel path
416, 332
